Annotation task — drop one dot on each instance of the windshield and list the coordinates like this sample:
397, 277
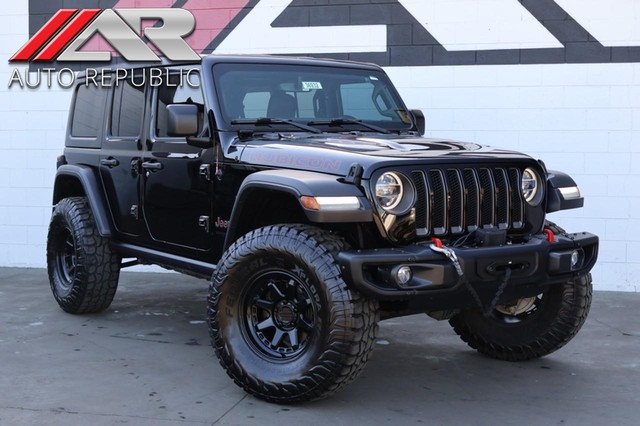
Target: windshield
328, 98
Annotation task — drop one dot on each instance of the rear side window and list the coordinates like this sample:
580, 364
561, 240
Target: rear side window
88, 111
127, 110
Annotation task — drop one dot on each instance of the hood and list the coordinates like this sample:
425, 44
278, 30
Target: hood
335, 153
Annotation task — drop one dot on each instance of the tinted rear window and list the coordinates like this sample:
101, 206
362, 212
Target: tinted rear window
128, 109
88, 111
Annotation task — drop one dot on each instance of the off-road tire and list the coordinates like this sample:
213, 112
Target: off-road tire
341, 339
561, 313
83, 271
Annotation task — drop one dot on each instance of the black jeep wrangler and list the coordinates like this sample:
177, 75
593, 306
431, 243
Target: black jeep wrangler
304, 190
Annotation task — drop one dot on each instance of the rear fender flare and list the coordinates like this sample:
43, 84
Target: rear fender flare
86, 176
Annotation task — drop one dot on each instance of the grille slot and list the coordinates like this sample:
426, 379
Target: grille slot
457, 200
422, 225
472, 199
517, 202
502, 198
487, 198
439, 202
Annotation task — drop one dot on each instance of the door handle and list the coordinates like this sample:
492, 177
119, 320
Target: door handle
152, 165
109, 162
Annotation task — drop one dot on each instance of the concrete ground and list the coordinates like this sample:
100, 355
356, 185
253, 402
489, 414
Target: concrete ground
147, 361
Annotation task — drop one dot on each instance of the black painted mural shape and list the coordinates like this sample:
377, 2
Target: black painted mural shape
408, 42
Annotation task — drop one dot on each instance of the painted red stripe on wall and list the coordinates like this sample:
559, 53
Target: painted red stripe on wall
40, 38
65, 36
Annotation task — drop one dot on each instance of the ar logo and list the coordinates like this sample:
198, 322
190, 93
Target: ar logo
69, 29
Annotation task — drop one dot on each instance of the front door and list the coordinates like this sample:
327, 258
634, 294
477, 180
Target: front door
121, 157
177, 189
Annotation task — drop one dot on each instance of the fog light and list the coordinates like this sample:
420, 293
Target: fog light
575, 258
403, 275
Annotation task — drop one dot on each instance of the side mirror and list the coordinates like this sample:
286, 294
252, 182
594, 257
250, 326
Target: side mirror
418, 117
182, 120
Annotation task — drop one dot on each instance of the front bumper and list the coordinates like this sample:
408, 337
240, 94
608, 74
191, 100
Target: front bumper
435, 284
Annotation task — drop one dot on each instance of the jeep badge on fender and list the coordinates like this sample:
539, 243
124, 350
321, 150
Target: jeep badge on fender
304, 190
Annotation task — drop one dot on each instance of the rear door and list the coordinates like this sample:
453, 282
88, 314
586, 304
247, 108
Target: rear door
177, 189
121, 156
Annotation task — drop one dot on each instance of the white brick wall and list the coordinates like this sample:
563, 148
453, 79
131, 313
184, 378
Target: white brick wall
583, 119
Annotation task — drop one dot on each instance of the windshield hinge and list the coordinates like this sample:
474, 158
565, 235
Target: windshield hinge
205, 171
354, 175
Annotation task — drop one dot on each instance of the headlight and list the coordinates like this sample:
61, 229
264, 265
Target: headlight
394, 193
389, 190
531, 186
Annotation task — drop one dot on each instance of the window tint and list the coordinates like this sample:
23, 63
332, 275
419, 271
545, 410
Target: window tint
174, 93
356, 102
128, 109
255, 104
88, 111
308, 93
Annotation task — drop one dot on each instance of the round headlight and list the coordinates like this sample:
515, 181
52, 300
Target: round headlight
530, 186
389, 190
395, 193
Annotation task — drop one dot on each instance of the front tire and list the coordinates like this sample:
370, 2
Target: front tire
283, 323
531, 327
83, 271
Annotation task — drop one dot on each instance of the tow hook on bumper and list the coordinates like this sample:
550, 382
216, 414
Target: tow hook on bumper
438, 247
436, 271
451, 255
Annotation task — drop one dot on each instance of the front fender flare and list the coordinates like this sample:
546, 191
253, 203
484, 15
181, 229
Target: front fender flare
556, 183
302, 183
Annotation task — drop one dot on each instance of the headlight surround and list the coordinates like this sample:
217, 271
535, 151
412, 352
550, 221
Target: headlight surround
394, 193
531, 187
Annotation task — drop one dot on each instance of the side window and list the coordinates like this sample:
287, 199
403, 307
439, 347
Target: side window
174, 93
356, 101
127, 110
88, 111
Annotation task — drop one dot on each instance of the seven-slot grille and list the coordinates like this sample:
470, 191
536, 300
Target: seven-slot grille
459, 200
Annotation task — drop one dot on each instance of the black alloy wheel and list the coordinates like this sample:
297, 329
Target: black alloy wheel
280, 314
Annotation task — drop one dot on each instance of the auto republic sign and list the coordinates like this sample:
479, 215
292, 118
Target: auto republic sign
68, 30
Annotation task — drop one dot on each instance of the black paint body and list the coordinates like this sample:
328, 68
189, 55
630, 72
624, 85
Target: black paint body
165, 201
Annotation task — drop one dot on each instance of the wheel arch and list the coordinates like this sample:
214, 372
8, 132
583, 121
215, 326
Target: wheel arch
261, 191
81, 181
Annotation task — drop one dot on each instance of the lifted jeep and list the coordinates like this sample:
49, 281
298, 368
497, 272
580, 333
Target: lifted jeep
305, 191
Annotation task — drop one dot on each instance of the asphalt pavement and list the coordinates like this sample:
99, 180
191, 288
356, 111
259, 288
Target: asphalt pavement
147, 361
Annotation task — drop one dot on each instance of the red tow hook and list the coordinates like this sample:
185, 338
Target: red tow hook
437, 242
550, 236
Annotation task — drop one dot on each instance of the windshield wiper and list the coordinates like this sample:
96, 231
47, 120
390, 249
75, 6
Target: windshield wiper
342, 121
265, 121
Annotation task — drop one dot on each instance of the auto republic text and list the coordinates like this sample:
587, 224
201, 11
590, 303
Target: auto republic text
104, 77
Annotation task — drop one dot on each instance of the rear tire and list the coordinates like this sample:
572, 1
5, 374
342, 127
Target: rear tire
283, 323
536, 326
83, 271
